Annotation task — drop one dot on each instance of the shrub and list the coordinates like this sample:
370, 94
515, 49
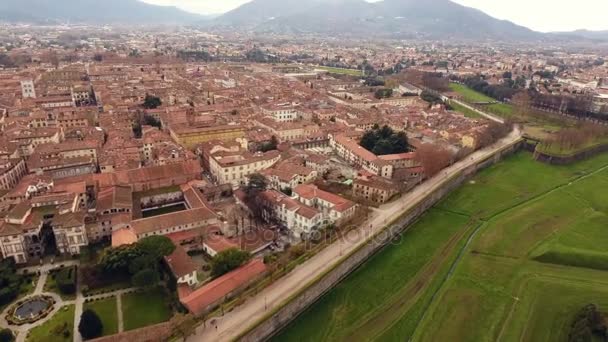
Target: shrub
6, 335
66, 280
228, 260
90, 325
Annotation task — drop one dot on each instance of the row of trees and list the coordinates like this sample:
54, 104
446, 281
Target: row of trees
493, 132
382, 141
195, 55
578, 105
569, 139
433, 158
499, 92
431, 80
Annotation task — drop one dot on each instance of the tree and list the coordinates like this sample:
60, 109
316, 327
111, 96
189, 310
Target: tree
430, 97
227, 261
587, 323
152, 102
118, 260
433, 158
269, 145
156, 246
382, 141
6, 335
146, 278
90, 325
257, 183
383, 93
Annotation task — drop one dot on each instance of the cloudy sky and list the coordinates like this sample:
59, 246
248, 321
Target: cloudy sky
541, 15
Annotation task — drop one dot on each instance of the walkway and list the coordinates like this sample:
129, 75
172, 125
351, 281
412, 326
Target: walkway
22, 330
482, 113
80, 299
121, 325
233, 323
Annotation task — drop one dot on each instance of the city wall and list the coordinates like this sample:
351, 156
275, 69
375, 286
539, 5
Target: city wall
279, 318
569, 159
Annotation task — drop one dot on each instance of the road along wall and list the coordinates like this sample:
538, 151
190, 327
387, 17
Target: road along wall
277, 319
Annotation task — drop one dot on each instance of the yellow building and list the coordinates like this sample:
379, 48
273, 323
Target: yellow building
190, 136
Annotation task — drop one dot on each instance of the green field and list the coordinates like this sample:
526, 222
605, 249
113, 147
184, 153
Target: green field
553, 241
59, 328
107, 312
471, 96
524, 210
465, 111
341, 71
141, 309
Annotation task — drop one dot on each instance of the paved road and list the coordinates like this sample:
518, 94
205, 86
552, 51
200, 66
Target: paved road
229, 326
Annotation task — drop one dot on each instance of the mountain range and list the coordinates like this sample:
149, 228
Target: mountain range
93, 11
397, 18
434, 19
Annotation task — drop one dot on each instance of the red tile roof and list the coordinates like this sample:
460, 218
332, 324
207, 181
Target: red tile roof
180, 262
200, 300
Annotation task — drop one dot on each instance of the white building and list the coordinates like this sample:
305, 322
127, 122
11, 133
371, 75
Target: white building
27, 89
228, 167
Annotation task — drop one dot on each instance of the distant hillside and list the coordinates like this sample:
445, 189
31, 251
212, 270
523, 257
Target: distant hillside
398, 18
93, 11
585, 34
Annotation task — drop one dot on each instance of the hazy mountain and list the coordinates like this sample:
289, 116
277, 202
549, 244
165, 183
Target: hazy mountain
399, 18
93, 11
584, 34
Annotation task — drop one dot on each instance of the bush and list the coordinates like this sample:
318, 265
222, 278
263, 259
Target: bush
6, 335
8, 294
228, 260
66, 280
90, 325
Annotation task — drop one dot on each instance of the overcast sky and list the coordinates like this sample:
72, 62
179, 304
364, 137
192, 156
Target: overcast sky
540, 15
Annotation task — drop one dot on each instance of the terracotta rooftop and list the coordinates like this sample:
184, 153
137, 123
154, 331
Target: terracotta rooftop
198, 301
124, 236
181, 218
180, 262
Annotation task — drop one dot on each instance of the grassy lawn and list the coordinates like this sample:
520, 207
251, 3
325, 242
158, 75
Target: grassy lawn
548, 306
523, 209
471, 96
465, 111
145, 308
382, 281
531, 267
164, 210
107, 312
59, 328
351, 72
